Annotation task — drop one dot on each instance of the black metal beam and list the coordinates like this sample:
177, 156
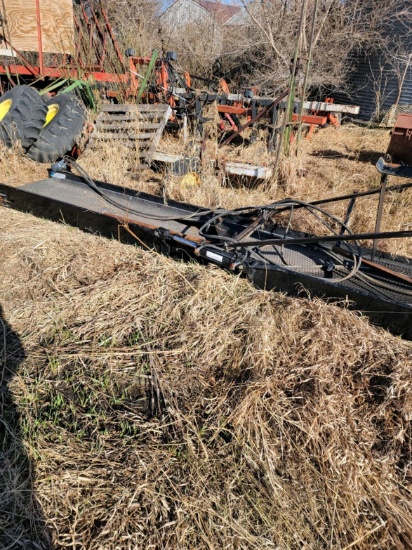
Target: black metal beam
319, 239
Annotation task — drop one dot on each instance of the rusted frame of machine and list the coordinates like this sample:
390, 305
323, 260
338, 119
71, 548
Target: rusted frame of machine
78, 69
234, 104
254, 119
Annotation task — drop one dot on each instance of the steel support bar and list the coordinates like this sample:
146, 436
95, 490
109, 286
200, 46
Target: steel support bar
352, 195
382, 194
39, 37
327, 107
310, 119
326, 239
232, 110
111, 34
63, 73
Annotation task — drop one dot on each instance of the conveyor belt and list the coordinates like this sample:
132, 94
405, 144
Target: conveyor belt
295, 257
79, 194
385, 297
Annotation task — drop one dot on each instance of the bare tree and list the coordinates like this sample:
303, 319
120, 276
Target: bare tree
258, 49
261, 51
136, 23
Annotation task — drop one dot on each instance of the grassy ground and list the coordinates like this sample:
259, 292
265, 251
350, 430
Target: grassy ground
152, 404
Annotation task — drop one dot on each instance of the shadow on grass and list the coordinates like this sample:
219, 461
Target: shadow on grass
368, 157
22, 524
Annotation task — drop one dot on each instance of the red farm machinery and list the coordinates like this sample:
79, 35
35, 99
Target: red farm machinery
42, 41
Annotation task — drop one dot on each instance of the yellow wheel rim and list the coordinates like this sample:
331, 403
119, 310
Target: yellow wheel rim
5, 107
52, 111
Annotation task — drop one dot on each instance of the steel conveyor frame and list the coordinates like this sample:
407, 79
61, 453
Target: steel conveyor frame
138, 218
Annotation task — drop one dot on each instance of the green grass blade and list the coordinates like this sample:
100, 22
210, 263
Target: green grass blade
150, 68
57, 84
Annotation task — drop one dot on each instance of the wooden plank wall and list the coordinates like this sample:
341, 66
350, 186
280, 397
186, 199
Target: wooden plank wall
56, 24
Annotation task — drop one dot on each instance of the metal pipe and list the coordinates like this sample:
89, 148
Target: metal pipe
384, 179
352, 195
305, 80
39, 37
113, 38
290, 101
287, 130
320, 239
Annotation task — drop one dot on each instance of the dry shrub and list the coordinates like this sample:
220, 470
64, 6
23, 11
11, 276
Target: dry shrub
291, 173
211, 130
165, 405
253, 148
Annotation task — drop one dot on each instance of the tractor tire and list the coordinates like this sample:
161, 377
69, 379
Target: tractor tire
64, 124
22, 115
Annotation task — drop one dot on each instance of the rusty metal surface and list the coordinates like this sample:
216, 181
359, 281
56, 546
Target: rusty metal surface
400, 145
260, 114
395, 170
382, 194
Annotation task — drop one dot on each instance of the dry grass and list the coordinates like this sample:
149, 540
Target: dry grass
16, 169
152, 404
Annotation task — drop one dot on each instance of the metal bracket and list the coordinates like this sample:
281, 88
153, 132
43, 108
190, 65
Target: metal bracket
4, 201
163, 235
394, 169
